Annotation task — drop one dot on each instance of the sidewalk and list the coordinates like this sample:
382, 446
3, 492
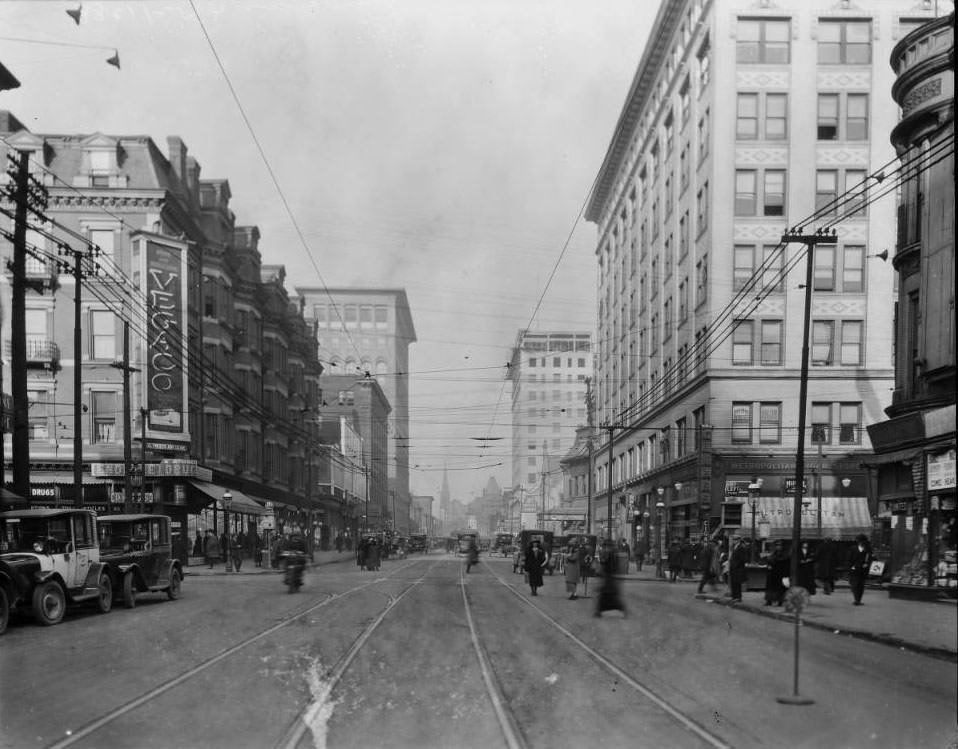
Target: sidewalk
920, 626
199, 567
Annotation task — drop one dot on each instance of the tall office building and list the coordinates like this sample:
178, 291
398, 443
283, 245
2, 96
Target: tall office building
744, 119
548, 372
367, 331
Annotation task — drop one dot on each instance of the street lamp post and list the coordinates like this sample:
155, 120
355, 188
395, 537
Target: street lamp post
658, 538
227, 498
678, 488
647, 515
663, 497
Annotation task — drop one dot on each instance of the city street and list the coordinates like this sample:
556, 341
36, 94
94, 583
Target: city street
421, 654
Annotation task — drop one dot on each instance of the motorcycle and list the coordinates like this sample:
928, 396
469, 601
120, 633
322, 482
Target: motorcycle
295, 565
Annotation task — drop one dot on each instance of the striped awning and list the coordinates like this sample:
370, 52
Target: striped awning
240, 504
843, 518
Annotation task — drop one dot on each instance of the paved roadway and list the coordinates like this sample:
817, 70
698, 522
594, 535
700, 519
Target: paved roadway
419, 654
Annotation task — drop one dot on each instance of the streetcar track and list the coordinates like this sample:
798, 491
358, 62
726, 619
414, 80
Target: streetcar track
304, 720
73, 737
687, 722
507, 723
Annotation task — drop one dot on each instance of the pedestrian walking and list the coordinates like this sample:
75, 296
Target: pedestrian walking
339, 543
825, 564
533, 564
806, 568
373, 555
858, 564
625, 556
573, 569
778, 565
212, 549
641, 549
737, 569
711, 565
609, 596
675, 561
236, 551
472, 555
198, 544
687, 559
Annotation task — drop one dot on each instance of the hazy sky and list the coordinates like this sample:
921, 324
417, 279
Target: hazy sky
441, 146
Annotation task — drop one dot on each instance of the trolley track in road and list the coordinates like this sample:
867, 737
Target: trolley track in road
687, 722
73, 736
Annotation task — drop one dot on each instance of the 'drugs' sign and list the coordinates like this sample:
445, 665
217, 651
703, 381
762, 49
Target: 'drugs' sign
163, 281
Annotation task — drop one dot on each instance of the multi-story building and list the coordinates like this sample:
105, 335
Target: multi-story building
915, 446
368, 331
222, 365
364, 406
744, 119
548, 372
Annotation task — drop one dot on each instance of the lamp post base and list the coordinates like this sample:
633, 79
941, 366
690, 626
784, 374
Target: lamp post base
795, 700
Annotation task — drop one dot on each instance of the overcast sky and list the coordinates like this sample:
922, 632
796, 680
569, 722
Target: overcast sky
441, 146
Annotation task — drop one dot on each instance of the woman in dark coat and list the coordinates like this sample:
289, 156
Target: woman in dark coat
534, 564
779, 565
806, 568
825, 564
675, 561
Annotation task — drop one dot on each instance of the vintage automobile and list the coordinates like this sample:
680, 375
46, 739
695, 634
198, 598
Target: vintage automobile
48, 559
138, 553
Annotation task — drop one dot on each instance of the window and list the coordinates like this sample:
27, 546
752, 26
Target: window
774, 204
532, 361
855, 199
742, 264
104, 239
350, 315
104, 416
823, 340
847, 42
856, 117
684, 235
103, 335
853, 268
851, 342
776, 116
684, 167
826, 191
685, 103
761, 116
821, 423
849, 423
828, 116
770, 423
760, 40
669, 127
746, 117
745, 192
704, 56
824, 272
39, 427
771, 345
702, 208
773, 262
365, 316
843, 116
701, 280
382, 315
556, 361
741, 422
531, 395
669, 197
684, 300
742, 337
704, 132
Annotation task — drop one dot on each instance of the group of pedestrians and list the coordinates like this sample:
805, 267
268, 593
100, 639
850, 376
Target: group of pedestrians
228, 546
819, 565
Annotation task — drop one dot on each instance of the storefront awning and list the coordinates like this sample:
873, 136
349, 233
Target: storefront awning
241, 503
912, 453
65, 477
843, 518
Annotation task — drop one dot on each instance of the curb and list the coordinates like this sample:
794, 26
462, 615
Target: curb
860, 634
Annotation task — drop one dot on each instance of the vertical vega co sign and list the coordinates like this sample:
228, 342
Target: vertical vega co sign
163, 281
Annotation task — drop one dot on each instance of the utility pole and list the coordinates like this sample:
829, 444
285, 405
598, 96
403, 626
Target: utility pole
142, 500
18, 332
125, 367
810, 241
611, 429
542, 521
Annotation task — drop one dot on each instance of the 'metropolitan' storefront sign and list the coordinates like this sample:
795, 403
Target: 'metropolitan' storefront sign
163, 280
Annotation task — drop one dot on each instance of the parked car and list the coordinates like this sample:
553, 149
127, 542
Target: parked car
49, 559
137, 550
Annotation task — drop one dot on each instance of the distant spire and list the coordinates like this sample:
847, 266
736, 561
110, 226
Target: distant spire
444, 491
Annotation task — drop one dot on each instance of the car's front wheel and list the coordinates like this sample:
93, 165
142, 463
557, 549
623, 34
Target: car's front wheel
173, 592
49, 603
104, 598
4, 611
129, 591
